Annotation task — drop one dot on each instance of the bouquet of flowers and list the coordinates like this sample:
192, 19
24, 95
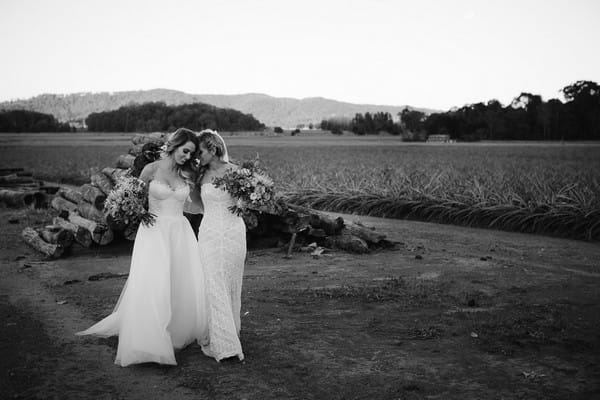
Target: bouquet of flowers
126, 205
250, 187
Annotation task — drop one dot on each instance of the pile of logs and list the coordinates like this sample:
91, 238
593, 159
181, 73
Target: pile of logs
81, 219
19, 189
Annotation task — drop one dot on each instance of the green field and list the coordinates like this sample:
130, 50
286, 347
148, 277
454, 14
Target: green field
549, 188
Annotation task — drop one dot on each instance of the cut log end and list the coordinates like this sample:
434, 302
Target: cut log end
33, 239
18, 199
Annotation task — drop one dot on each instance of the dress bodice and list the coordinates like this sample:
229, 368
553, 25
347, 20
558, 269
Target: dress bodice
166, 201
216, 201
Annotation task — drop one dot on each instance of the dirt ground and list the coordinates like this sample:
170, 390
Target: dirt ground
451, 313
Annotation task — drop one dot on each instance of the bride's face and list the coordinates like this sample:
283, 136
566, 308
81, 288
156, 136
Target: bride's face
205, 155
184, 152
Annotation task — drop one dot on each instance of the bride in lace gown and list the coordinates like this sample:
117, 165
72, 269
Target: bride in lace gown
222, 251
163, 304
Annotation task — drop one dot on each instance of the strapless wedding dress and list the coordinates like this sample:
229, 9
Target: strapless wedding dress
222, 251
163, 304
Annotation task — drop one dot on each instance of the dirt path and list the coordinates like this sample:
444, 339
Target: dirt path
452, 313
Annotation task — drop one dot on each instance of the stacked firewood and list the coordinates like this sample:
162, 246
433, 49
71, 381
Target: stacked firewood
19, 189
81, 219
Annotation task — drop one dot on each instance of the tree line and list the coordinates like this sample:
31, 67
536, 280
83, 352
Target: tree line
528, 117
30, 121
157, 116
367, 124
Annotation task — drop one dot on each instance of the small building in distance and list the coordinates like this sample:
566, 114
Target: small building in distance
439, 138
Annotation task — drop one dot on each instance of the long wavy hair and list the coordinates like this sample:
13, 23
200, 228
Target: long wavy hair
188, 171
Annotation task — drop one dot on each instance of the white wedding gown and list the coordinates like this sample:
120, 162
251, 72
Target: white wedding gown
163, 304
222, 251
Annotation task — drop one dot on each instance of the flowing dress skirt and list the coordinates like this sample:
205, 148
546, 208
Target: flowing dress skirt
163, 304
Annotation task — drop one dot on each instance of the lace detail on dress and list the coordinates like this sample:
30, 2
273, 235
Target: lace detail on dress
222, 247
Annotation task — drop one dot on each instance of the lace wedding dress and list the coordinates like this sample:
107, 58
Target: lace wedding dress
222, 250
163, 304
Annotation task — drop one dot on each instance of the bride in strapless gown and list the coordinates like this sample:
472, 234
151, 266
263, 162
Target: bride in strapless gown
163, 304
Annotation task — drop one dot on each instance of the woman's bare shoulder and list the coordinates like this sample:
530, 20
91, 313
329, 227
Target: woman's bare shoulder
232, 167
149, 170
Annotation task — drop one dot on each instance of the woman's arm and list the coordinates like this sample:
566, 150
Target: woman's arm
148, 172
146, 176
194, 204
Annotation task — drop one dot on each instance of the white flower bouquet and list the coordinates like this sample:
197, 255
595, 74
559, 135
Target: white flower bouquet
127, 204
252, 189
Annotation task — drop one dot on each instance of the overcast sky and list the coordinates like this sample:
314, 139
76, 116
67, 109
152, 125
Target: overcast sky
425, 53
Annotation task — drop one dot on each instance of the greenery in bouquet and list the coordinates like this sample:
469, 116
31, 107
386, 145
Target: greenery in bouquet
126, 206
251, 188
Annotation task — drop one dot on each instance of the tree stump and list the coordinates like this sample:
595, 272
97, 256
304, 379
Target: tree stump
32, 238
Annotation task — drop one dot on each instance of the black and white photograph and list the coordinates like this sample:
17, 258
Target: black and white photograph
303, 200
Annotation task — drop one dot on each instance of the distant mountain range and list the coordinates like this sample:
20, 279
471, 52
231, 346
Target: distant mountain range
272, 111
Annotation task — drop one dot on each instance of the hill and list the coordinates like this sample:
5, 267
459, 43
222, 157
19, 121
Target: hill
272, 111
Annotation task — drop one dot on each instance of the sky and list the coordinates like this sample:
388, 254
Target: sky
424, 53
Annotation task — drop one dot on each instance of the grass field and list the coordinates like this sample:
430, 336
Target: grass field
548, 188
